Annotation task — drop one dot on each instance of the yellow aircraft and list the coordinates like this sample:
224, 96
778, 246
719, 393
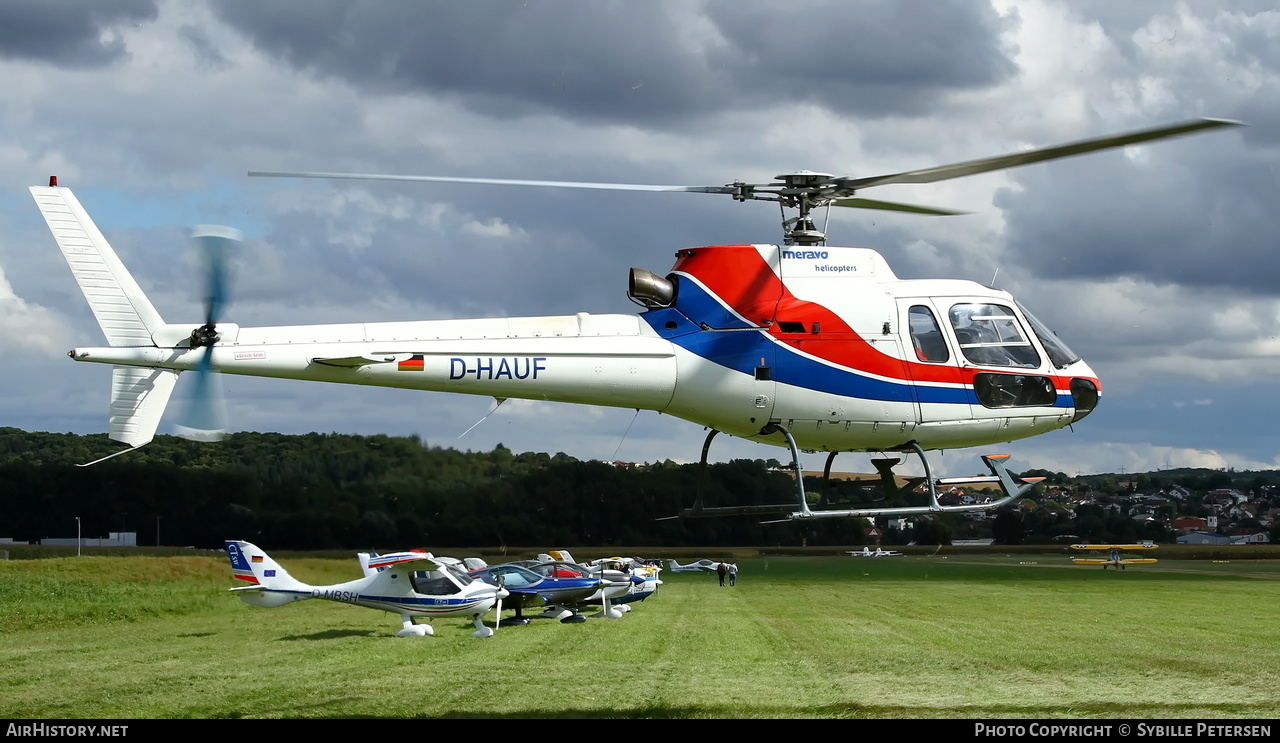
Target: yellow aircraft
1114, 555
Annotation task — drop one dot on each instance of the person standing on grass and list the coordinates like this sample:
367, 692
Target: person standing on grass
721, 570
733, 574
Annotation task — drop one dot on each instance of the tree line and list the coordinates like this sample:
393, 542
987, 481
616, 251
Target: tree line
338, 491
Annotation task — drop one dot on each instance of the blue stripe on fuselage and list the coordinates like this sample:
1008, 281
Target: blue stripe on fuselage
740, 348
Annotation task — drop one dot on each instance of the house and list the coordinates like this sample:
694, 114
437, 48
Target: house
1185, 524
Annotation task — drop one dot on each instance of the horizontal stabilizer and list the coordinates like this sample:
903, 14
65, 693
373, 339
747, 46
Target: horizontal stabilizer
354, 361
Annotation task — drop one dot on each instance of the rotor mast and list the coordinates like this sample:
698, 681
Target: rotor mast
802, 191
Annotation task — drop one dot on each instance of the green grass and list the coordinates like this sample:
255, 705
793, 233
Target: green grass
812, 637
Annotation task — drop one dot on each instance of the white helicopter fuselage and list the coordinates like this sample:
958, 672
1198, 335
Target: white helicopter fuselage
608, 360
826, 342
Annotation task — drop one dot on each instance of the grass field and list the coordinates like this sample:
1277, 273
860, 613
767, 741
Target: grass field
982, 636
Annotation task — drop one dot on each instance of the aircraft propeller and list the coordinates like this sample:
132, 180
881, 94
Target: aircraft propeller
205, 417
497, 609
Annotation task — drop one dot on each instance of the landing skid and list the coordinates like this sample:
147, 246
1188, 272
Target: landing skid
1012, 487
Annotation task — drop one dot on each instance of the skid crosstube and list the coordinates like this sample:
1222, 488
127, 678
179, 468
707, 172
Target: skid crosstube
1012, 486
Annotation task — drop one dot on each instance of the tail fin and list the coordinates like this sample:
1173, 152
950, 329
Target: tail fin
562, 556
256, 568
138, 399
124, 312
126, 316
364, 558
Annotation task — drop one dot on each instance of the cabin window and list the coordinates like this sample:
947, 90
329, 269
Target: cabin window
990, 335
432, 583
1013, 390
926, 335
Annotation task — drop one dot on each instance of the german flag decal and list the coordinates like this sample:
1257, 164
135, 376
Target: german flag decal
413, 363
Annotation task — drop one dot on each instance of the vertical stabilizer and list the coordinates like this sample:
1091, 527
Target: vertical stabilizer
127, 318
265, 583
255, 567
138, 400
125, 314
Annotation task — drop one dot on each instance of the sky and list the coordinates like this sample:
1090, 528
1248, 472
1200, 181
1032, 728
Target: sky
1159, 264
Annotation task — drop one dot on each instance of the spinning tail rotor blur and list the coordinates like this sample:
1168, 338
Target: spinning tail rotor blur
205, 418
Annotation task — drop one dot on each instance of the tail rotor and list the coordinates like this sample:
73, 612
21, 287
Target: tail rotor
205, 417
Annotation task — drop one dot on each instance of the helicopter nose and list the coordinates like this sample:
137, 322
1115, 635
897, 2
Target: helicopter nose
1084, 395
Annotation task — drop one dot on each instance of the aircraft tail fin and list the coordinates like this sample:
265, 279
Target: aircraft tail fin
266, 583
138, 399
127, 318
123, 311
365, 559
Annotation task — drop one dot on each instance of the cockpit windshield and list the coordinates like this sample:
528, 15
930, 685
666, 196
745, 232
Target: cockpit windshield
559, 570
459, 575
1059, 354
514, 576
990, 335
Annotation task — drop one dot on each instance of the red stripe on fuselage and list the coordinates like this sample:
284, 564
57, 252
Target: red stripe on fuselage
742, 279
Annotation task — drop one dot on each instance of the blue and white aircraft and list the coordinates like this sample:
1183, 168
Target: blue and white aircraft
562, 592
411, 584
647, 571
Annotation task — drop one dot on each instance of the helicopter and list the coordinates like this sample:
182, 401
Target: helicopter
799, 345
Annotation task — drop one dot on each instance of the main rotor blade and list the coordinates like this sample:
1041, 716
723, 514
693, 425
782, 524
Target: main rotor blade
1000, 162
893, 206
493, 181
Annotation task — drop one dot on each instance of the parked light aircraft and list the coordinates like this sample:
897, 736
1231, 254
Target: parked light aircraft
866, 552
614, 586
799, 345
1115, 555
563, 596
411, 584
643, 574
648, 573
631, 581
701, 566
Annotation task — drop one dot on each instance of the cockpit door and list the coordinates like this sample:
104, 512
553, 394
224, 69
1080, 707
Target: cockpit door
931, 363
